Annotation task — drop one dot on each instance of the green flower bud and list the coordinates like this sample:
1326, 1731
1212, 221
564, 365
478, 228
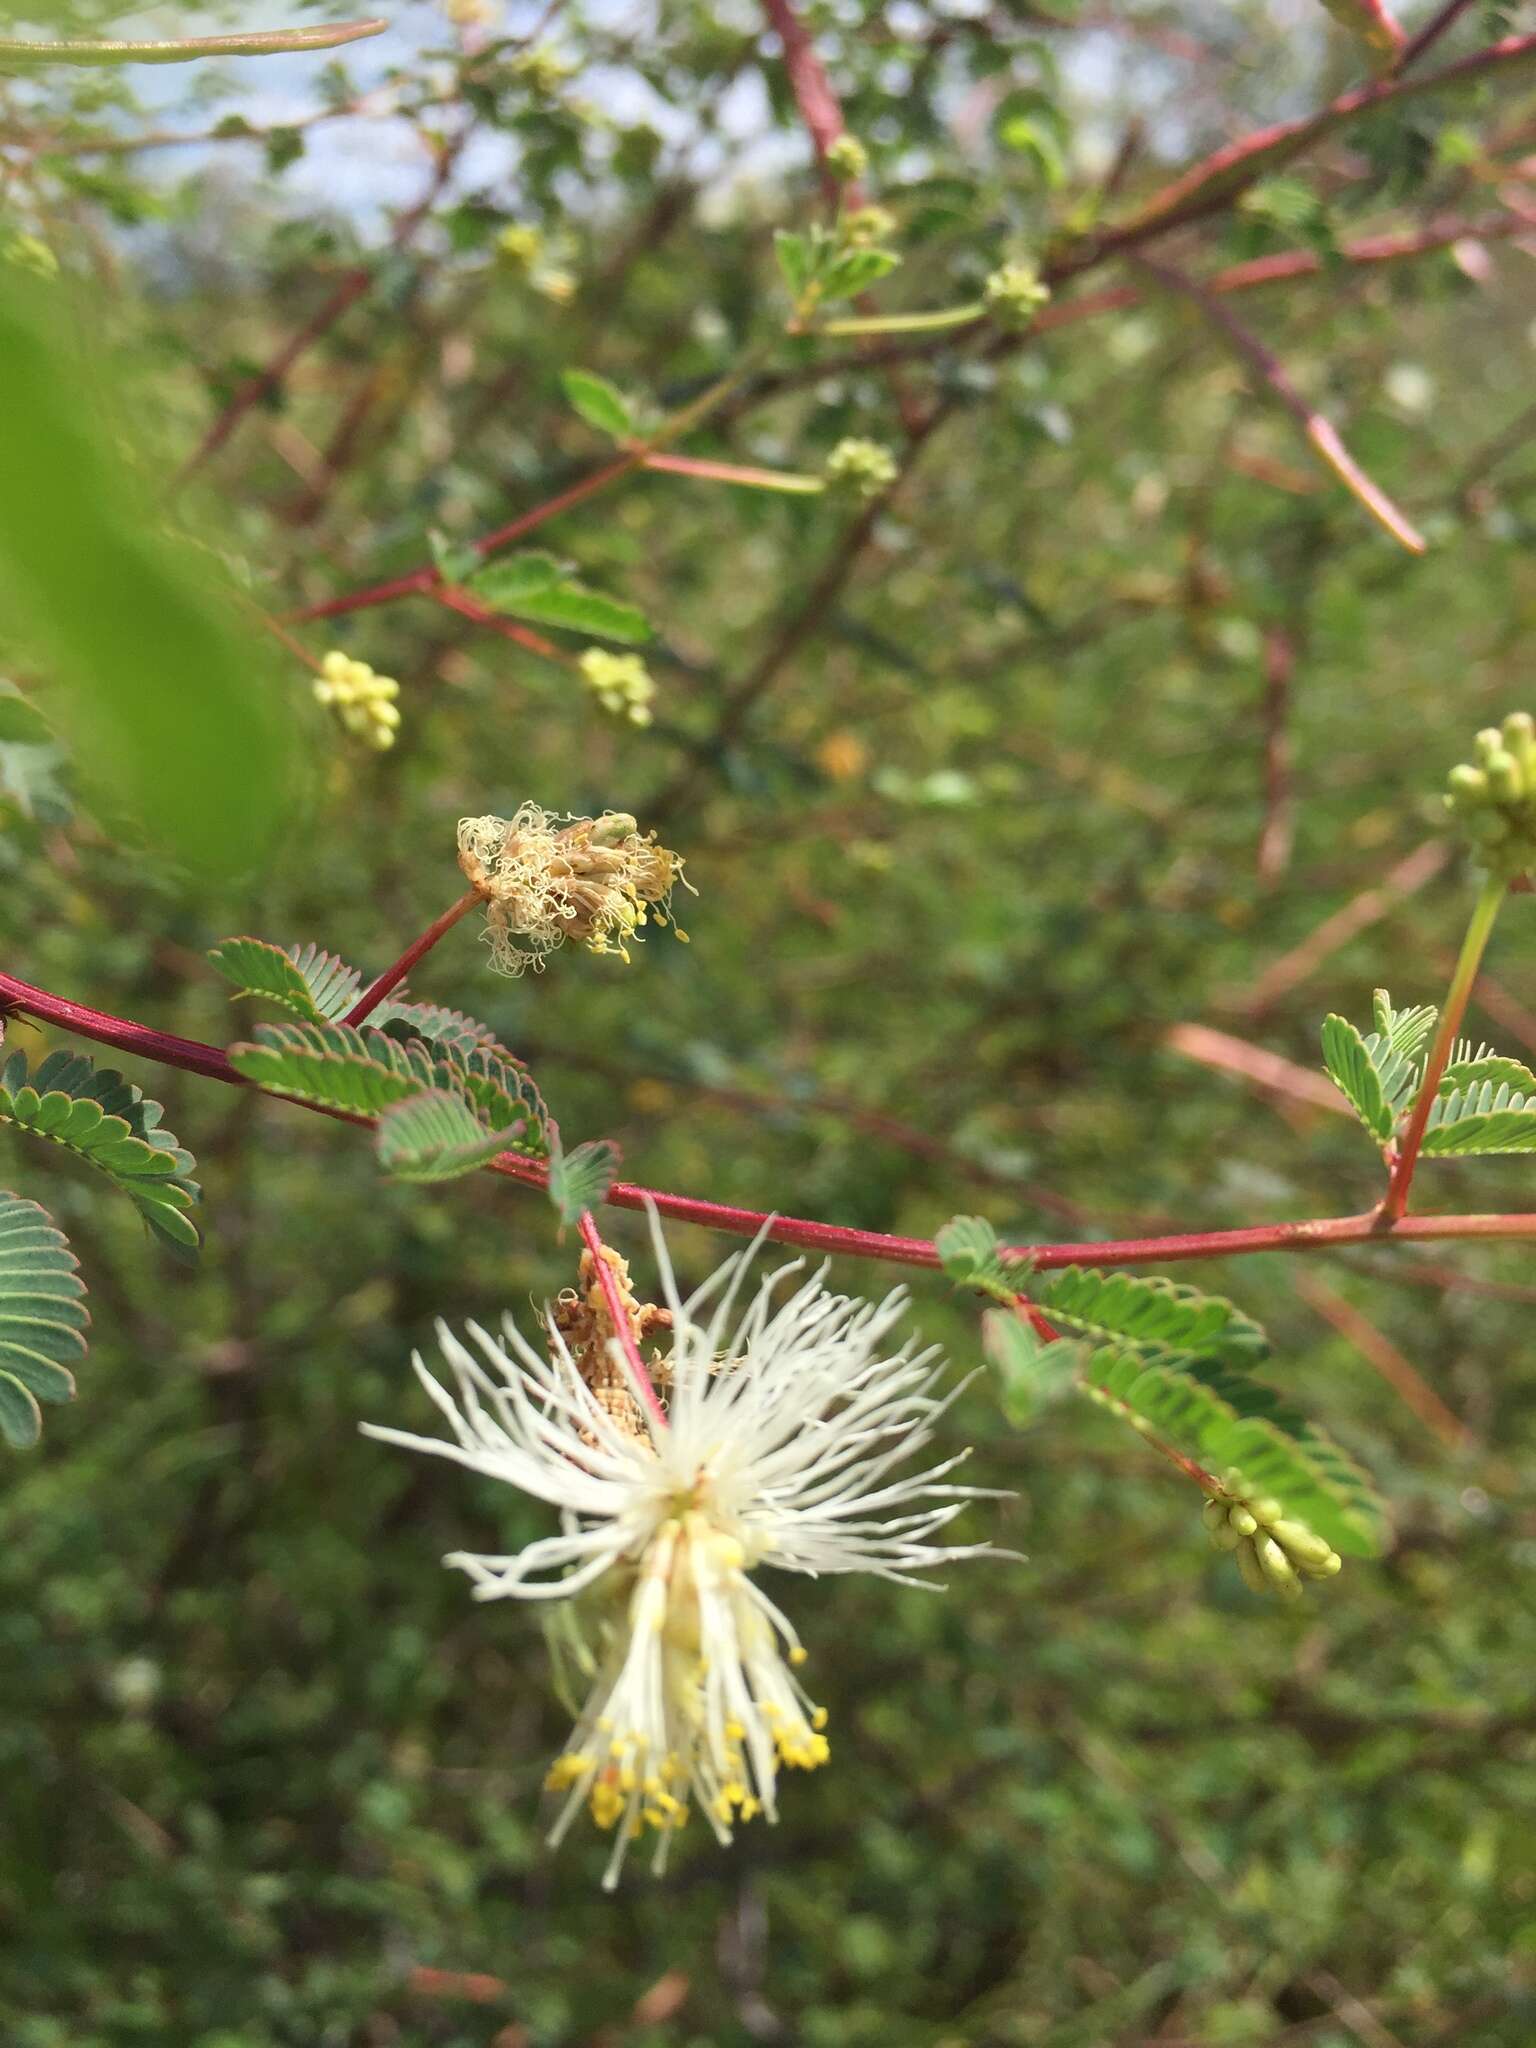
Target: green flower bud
865, 468
1014, 294
1244, 1522
1254, 1576
847, 158
1489, 741
1504, 777
1467, 784
1520, 732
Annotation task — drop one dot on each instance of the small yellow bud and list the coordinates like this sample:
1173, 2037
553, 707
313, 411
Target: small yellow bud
847, 158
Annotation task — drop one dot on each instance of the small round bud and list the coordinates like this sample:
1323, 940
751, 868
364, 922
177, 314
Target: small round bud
1014, 294
1467, 784
1489, 741
847, 158
1244, 1522
864, 468
1519, 732
867, 225
1504, 777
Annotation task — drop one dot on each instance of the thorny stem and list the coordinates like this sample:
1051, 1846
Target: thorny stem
1484, 911
392, 977
1311, 1234
592, 1239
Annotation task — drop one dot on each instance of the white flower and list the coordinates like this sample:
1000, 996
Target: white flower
785, 1423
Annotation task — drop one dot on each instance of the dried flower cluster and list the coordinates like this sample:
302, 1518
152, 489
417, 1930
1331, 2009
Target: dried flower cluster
548, 878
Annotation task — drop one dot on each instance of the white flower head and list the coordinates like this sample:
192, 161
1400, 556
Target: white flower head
786, 1421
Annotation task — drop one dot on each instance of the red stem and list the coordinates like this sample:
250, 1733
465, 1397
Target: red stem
1312, 1234
607, 1280
392, 977
427, 578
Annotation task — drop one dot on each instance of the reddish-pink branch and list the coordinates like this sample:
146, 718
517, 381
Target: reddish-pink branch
1211, 184
1312, 1234
392, 977
455, 600
623, 1330
808, 81
428, 578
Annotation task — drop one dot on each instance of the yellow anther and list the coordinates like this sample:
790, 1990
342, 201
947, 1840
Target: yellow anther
798, 1654
819, 1718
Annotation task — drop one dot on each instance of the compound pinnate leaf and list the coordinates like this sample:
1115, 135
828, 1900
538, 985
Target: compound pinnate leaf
579, 1179
971, 1256
43, 1317
1483, 1119
434, 1136
1153, 1314
1031, 1373
110, 1124
1246, 1436
314, 985
1354, 1073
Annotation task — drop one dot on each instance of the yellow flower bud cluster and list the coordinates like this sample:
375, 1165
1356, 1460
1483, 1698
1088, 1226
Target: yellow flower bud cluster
1014, 294
864, 468
1493, 799
847, 158
1274, 1552
365, 703
472, 13
621, 683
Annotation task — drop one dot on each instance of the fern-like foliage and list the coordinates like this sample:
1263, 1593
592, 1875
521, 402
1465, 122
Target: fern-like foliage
43, 1317
367, 1073
580, 1179
1485, 1067
314, 985
110, 1123
1403, 1033
434, 1136
970, 1254
1246, 1436
1482, 1118
1150, 1315
1031, 1373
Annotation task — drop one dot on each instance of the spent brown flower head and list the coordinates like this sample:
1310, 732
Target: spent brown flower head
547, 878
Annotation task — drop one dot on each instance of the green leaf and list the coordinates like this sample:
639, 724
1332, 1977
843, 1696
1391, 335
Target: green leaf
1246, 1436
109, 1123
855, 271
455, 561
580, 1179
503, 584
450, 1029
433, 1136
174, 707
796, 260
21, 723
1032, 1374
1403, 1032
365, 1072
1347, 1057
332, 1064
1485, 1118
1485, 1068
969, 1253
42, 1317
536, 586
1153, 1314
600, 404
314, 985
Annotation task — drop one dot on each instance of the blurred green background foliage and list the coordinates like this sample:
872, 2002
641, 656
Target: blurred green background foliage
1067, 743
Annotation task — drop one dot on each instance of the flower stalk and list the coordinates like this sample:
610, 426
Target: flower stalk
392, 977
1473, 946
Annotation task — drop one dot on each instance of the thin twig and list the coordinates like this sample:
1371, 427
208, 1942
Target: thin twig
1383, 1356
1279, 828
1310, 1234
392, 977
1401, 881
18, 56
1322, 435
